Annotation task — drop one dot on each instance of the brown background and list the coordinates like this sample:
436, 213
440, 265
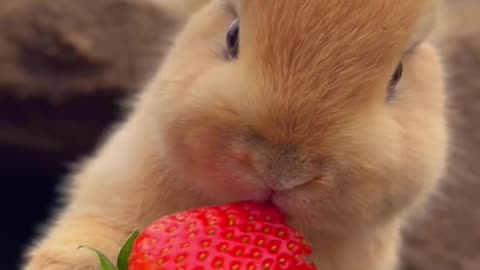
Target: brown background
66, 67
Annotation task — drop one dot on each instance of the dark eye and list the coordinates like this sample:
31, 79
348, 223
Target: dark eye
233, 40
396, 77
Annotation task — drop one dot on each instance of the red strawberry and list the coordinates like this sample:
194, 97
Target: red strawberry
233, 237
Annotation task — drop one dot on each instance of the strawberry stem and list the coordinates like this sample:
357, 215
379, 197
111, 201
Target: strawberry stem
104, 261
123, 256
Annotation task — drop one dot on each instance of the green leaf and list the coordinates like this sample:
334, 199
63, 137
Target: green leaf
124, 256
104, 262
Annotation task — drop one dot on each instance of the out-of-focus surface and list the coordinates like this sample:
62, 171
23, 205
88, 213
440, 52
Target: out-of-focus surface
66, 66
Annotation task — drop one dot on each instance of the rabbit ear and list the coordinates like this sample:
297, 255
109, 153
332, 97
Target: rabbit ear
425, 23
180, 8
233, 3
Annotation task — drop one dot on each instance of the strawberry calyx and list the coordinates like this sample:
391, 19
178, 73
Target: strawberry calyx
123, 256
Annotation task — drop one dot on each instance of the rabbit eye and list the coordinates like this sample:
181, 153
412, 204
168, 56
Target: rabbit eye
396, 77
233, 40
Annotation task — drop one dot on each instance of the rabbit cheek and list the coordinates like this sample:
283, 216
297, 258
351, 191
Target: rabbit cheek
203, 157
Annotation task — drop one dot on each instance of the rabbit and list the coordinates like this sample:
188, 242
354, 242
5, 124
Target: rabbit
333, 111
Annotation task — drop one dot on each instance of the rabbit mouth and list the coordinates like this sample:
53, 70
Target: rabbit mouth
263, 196
266, 197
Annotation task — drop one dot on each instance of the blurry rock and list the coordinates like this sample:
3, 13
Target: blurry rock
64, 47
64, 67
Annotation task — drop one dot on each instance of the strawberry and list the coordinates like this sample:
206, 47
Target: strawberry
232, 237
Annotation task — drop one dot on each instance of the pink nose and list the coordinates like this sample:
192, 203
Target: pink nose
279, 166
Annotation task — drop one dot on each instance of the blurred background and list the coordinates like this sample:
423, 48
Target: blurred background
66, 67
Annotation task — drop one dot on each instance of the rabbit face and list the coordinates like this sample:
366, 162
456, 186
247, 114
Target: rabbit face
332, 110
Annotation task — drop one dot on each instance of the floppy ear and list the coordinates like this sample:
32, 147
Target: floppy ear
180, 8
426, 21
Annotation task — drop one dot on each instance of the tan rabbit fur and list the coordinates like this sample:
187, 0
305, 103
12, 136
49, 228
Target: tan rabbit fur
181, 9
300, 119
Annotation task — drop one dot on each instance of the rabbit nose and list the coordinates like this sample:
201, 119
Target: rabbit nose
281, 169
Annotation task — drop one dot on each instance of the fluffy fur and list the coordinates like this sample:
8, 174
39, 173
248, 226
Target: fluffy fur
181, 9
299, 119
